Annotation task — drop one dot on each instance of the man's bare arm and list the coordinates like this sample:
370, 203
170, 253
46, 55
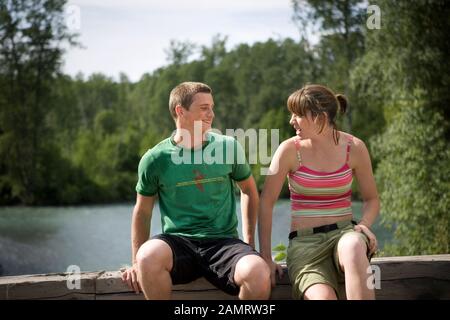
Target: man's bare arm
140, 233
140, 223
249, 209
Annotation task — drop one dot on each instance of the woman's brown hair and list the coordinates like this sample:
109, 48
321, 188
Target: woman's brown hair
321, 102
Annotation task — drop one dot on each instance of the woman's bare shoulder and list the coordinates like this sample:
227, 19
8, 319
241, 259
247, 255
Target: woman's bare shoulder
293, 144
289, 145
358, 150
287, 151
355, 141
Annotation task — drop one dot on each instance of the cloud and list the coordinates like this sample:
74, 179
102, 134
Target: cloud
132, 37
182, 5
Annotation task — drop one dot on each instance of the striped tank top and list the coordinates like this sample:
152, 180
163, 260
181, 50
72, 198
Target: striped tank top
315, 193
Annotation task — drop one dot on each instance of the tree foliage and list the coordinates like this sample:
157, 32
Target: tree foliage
340, 27
31, 33
414, 180
405, 76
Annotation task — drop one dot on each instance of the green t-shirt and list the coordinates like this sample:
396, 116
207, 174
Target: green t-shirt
195, 186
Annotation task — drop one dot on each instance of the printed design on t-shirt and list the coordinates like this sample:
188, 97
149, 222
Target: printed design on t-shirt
199, 180
198, 177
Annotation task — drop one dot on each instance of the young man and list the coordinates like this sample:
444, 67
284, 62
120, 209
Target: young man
192, 174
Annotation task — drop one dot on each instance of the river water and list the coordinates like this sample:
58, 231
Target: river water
50, 239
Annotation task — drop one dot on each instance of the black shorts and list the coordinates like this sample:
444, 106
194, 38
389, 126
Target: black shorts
214, 259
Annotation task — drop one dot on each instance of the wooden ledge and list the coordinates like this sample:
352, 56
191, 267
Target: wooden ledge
411, 277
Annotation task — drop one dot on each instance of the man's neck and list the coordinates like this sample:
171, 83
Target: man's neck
187, 139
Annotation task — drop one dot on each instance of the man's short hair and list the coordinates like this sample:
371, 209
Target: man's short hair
183, 95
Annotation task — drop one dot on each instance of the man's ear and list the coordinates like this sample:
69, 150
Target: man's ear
179, 110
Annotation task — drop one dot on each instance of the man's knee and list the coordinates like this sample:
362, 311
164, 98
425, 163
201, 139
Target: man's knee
154, 255
253, 271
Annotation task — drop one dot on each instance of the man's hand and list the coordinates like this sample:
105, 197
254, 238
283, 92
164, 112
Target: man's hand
373, 243
274, 269
129, 276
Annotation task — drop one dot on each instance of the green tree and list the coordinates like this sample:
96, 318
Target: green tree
414, 179
340, 27
214, 54
274, 119
31, 37
179, 52
405, 73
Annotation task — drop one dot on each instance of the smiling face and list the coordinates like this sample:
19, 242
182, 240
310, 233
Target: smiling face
314, 109
304, 126
201, 109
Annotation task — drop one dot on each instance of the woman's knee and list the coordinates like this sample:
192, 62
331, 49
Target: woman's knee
320, 291
352, 249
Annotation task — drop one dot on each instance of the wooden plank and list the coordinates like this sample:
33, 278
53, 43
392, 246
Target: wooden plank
414, 289
417, 277
3, 293
281, 292
418, 269
435, 257
46, 286
197, 285
71, 296
212, 294
110, 282
120, 296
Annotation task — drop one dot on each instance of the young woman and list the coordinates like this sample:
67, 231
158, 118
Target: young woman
325, 243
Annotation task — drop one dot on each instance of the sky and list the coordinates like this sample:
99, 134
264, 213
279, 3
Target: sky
131, 36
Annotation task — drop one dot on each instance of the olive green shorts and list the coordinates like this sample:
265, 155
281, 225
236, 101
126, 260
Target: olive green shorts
312, 258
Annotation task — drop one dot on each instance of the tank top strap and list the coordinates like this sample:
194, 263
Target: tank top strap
297, 147
349, 143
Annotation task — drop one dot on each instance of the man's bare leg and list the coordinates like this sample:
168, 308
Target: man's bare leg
154, 260
252, 275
